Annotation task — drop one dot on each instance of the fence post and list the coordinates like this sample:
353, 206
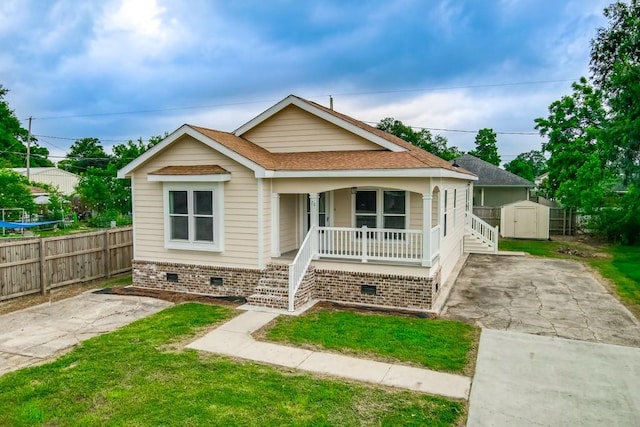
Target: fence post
107, 253
43, 267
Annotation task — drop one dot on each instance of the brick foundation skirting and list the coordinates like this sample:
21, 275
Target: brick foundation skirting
196, 279
350, 287
376, 289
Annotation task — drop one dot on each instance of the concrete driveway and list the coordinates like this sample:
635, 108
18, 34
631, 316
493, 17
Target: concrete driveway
35, 334
529, 380
541, 296
527, 372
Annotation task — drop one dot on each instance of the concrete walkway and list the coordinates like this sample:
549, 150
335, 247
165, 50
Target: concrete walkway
234, 339
35, 334
528, 380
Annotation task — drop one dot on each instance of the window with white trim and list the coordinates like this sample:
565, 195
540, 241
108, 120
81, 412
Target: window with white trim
455, 204
381, 209
446, 206
193, 216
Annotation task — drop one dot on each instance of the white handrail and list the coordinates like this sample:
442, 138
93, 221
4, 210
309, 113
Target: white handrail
484, 231
299, 266
364, 244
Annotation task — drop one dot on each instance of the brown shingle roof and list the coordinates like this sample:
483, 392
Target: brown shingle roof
430, 159
241, 146
413, 158
191, 170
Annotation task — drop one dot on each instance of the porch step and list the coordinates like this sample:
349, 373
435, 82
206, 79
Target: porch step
276, 282
271, 301
262, 289
474, 245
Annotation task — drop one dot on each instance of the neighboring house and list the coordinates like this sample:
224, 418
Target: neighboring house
495, 187
300, 202
64, 181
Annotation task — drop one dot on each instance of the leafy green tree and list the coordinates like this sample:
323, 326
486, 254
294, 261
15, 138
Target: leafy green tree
15, 193
615, 68
528, 165
85, 153
435, 144
101, 190
573, 129
486, 146
13, 140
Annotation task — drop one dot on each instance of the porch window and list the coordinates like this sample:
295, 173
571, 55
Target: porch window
381, 209
193, 216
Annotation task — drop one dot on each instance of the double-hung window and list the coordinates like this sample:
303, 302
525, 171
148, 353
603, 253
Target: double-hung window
381, 209
193, 216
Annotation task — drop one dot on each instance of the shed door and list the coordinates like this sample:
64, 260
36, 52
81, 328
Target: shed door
526, 222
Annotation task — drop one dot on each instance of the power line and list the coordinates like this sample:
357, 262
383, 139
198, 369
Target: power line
195, 107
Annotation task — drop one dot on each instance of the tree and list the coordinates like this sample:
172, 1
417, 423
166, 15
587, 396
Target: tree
101, 190
13, 139
528, 165
85, 153
15, 193
423, 138
486, 146
573, 128
615, 68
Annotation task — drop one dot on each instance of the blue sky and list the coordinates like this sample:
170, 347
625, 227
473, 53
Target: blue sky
119, 70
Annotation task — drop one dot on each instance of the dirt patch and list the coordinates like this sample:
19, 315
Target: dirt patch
174, 297
365, 309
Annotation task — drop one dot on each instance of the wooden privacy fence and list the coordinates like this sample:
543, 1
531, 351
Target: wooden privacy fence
30, 266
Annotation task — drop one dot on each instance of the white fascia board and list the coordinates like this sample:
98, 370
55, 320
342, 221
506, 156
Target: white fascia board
130, 167
373, 173
188, 130
190, 178
292, 100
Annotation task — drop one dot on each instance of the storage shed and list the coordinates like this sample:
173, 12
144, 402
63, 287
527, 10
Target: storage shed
524, 220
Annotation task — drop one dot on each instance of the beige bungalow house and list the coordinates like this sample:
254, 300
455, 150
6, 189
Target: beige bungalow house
299, 203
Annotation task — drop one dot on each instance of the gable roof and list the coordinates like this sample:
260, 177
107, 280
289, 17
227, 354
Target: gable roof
398, 155
491, 175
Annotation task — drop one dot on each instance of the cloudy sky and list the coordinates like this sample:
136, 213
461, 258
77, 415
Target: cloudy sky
124, 69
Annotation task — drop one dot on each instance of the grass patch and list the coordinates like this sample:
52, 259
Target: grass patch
618, 263
622, 270
443, 345
125, 378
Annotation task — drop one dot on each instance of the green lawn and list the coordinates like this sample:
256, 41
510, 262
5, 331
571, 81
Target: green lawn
442, 345
619, 264
141, 376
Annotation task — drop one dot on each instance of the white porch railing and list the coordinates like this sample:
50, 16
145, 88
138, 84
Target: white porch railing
370, 244
482, 230
435, 242
299, 266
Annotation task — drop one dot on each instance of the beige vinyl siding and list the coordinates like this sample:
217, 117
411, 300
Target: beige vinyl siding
240, 209
415, 211
435, 206
342, 216
288, 222
451, 245
294, 130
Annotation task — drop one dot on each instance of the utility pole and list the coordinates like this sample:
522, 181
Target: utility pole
29, 150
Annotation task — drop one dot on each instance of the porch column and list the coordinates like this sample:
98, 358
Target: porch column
275, 225
426, 229
314, 220
481, 196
